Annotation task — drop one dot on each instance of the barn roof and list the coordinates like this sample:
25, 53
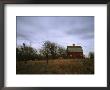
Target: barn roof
74, 49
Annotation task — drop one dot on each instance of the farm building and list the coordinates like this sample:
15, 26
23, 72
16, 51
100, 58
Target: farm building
75, 52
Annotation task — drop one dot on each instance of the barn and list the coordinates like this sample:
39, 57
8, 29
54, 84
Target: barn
75, 52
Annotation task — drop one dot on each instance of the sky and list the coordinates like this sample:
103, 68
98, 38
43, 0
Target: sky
63, 30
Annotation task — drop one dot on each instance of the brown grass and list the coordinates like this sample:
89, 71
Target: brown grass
64, 66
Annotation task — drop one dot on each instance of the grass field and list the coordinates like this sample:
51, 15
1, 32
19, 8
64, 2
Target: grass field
64, 66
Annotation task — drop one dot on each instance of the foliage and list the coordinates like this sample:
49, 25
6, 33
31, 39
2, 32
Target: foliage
49, 50
91, 55
62, 52
32, 61
26, 53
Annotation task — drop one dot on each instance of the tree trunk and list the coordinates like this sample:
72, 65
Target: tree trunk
47, 58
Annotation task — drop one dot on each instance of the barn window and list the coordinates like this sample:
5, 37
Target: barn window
70, 55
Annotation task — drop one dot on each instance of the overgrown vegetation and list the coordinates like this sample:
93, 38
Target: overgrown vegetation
49, 50
51, 59
59, 66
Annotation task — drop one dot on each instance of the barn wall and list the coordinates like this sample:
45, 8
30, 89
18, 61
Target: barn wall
75, 55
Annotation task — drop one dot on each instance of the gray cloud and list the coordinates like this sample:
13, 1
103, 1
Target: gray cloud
62, 29
83, 28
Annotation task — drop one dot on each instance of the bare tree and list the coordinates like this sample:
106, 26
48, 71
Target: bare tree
49, 50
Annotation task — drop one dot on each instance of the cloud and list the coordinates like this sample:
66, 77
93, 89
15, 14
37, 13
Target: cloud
83, 28
65, 30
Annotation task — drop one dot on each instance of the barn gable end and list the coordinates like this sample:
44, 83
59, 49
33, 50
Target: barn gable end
75, 52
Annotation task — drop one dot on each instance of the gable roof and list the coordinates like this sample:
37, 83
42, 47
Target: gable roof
74, 49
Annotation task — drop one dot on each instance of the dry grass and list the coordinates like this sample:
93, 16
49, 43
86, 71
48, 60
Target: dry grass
65, 66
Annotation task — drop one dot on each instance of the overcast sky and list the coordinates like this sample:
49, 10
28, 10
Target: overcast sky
65, 31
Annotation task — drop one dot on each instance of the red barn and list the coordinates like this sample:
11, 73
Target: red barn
75, 52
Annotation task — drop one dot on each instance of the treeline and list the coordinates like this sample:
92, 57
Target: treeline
49, 50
